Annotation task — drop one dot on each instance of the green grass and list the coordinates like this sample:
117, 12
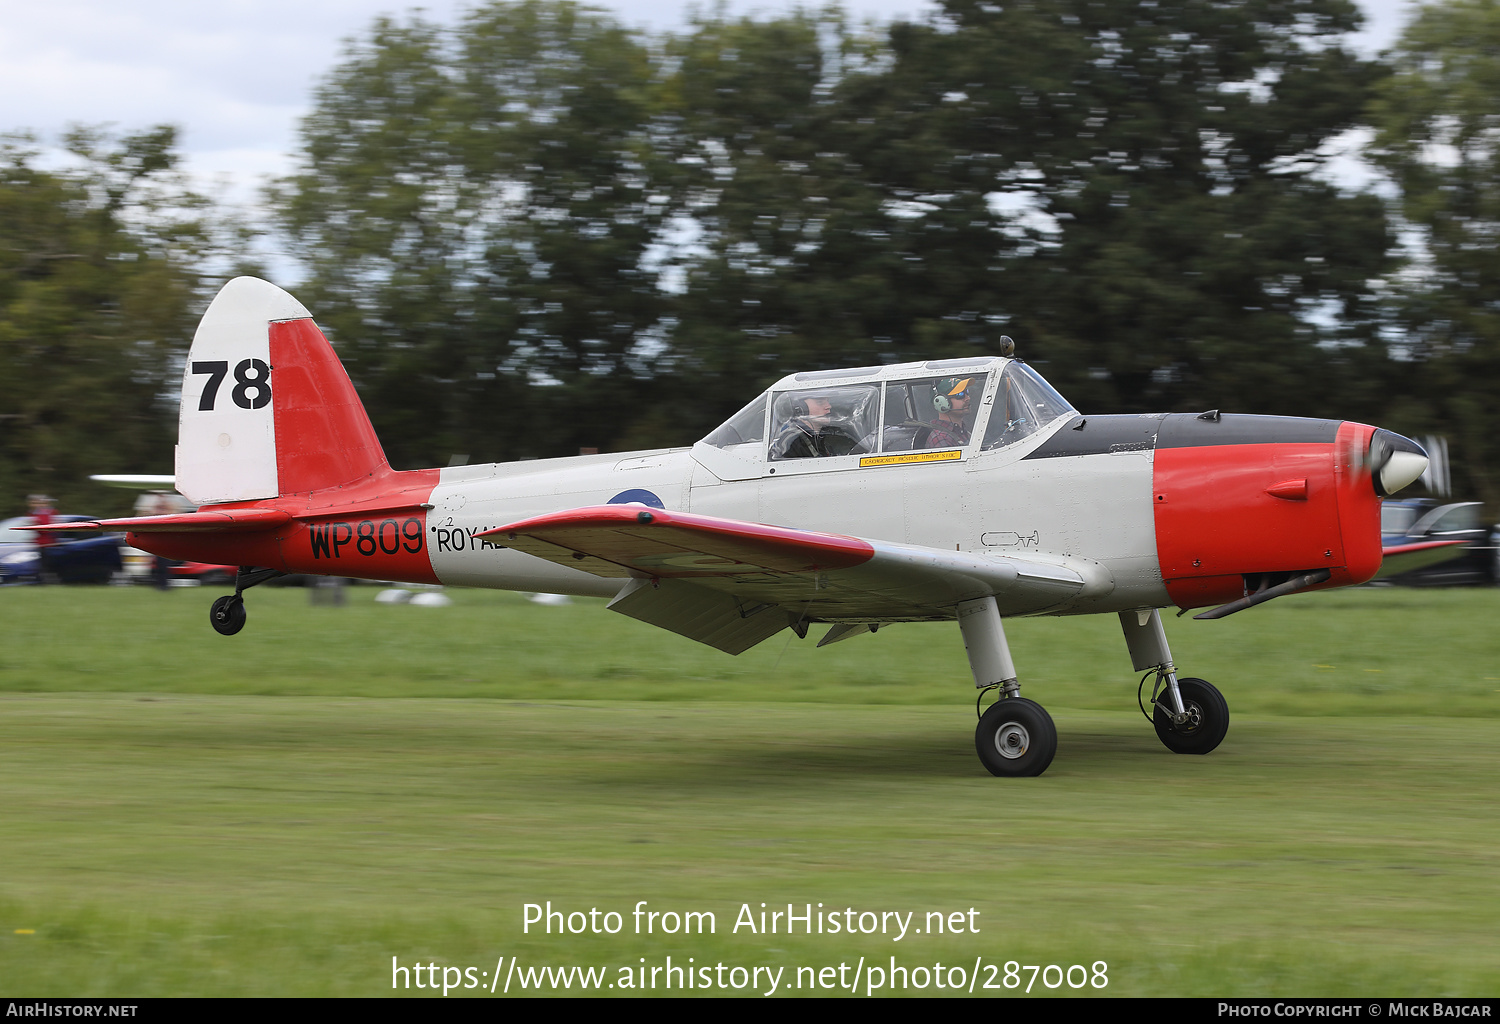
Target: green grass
281, 812
1353, 652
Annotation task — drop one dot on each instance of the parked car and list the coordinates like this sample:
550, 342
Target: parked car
73, 557
1431, 545
139, 566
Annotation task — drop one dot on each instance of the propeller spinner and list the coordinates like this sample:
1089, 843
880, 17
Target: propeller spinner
1395, 462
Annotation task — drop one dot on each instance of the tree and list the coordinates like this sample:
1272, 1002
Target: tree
1136, 191
771, 206
475, 208
1177, 245
96, 311
1439, 138
536, 231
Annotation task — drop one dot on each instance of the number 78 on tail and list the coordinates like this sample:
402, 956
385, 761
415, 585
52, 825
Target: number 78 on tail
964, 490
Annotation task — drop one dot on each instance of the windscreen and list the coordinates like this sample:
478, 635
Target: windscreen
749, 424
1024, 404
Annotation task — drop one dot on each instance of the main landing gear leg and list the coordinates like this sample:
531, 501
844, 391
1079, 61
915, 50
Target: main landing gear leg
1016, 736
228, 613
1190, 715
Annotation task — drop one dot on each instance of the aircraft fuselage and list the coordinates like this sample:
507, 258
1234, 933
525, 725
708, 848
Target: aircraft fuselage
1162, 509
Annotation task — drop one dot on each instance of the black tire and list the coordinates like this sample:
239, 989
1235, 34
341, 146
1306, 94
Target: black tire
228, 615
1016, 738
1207, 726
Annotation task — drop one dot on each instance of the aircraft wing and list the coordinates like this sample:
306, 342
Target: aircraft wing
1400, 558
731, 584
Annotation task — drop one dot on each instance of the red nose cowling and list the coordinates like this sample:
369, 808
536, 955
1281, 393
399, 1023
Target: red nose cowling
1247, 502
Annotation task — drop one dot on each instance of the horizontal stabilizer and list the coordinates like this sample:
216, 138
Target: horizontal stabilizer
137, 481
220, 521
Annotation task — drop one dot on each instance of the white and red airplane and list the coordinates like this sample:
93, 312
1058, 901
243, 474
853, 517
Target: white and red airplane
957, 489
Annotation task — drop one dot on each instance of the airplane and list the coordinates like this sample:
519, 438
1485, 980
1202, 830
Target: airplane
962, 490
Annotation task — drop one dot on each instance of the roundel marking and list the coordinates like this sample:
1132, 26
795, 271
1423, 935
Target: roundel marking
637, 495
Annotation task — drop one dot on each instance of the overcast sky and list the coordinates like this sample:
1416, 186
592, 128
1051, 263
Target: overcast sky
236, 75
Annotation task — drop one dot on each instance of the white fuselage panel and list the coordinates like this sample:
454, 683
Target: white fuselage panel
1092, 508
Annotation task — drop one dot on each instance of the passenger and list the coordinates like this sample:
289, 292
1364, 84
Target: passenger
953, 403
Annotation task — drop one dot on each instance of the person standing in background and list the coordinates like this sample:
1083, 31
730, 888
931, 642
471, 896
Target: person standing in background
43, 514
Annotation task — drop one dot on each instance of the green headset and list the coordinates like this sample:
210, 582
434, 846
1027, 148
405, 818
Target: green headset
948, 389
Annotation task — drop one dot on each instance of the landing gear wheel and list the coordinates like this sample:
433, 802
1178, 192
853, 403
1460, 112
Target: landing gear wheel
228, 615
1208, 718
1016, 738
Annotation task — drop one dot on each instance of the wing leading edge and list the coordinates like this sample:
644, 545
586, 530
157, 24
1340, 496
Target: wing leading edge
732, 584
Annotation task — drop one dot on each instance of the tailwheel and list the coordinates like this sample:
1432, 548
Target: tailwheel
1016, 738
1206, 723
228, 614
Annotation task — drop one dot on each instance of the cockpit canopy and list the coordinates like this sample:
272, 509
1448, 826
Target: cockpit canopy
942, 404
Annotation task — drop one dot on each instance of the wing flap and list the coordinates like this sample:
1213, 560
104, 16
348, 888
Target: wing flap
701, 613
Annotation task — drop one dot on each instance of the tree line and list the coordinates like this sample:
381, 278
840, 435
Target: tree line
534, 231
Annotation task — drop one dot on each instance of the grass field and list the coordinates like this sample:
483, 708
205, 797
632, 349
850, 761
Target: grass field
282, 812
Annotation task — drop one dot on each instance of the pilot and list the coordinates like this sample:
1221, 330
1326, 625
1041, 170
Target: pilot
952, 401
803, 436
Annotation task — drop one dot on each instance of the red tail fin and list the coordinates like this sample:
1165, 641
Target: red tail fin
323, 436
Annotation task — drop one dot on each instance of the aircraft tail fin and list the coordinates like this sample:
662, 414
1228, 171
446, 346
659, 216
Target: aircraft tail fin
267, 408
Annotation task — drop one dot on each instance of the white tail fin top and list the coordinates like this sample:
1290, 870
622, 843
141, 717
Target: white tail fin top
226, 436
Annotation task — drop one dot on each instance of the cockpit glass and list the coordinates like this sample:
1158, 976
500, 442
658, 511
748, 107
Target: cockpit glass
822, 422
1024, 403
933, 412
928, 412
749, 424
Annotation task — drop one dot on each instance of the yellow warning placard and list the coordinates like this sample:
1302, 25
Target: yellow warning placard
901, 460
